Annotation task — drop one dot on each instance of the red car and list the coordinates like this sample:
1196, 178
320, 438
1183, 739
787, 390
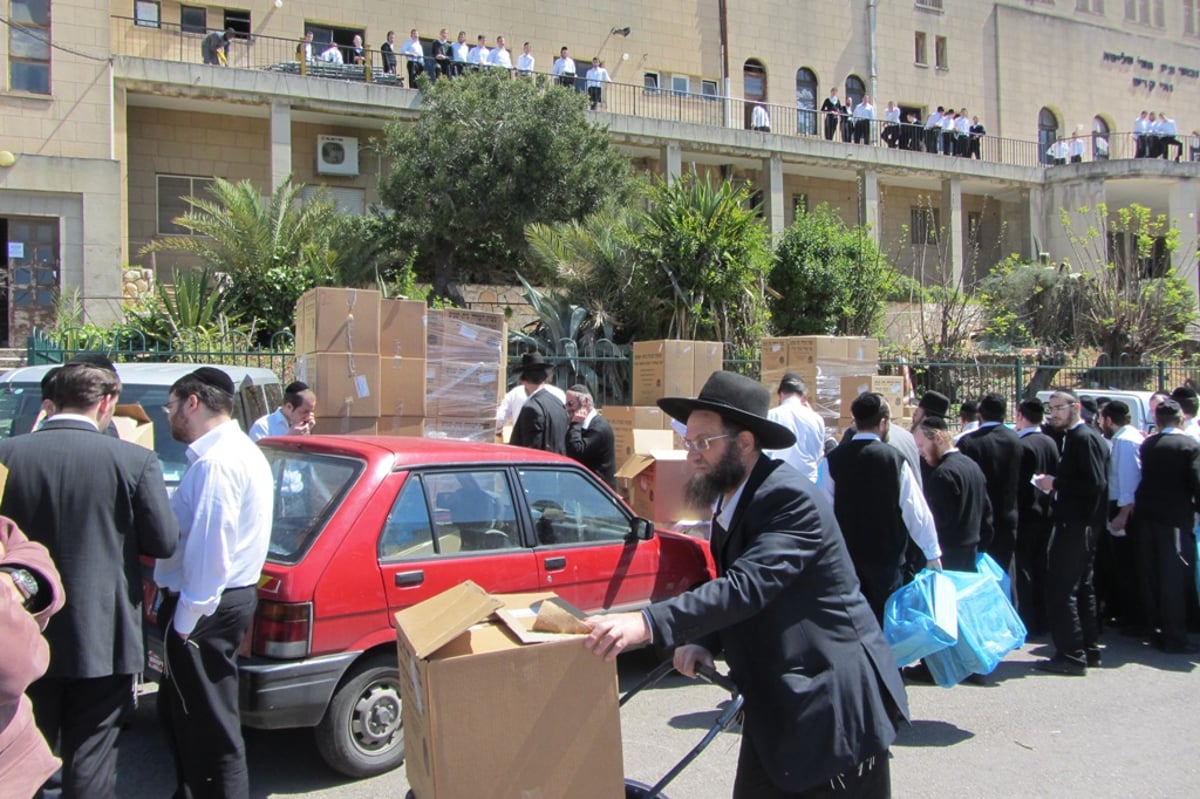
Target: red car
365, 526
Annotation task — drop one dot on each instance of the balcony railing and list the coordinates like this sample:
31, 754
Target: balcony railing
172, 43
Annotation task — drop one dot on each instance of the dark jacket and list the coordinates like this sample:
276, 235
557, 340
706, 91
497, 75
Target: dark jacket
956, 490
97, 504
1039, 455
595, 448
1169, 493
1081, 481
822, 690
997, 451
542, 424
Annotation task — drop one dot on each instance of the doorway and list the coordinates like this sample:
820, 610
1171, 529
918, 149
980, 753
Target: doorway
31, 281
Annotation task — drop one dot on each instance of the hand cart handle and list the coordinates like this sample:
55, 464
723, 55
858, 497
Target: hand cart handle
711, 675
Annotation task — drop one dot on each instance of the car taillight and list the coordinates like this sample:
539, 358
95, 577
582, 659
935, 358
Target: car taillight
282, 629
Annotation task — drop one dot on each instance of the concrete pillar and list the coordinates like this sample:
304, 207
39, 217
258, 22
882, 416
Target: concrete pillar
952, 228
1181, 213
120, 153
773, 195
672, 162
281, 144
868, 202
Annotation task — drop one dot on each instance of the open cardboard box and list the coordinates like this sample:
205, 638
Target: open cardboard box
495, 706
134, 425
653, 481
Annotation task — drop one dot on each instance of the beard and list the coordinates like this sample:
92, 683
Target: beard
704, 489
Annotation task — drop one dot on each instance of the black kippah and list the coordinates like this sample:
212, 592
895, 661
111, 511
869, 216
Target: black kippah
92, 359
934, 423
216, 378
296, 387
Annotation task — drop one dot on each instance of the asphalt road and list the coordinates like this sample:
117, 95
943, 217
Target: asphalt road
1129, 729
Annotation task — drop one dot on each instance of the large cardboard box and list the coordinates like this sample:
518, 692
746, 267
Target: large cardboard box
134, 425
338, 320
492, 709
345, 426
624, 419
673, 368
891, 387
463, 389
458, 334
402, 328
709, 358
652, 483
402, 386
346, 384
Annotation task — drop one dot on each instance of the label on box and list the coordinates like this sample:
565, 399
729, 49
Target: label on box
360, 386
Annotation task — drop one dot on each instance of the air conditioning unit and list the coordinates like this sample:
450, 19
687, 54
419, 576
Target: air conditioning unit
337, 155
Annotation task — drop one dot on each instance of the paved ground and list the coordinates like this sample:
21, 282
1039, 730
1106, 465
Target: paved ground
1130, 729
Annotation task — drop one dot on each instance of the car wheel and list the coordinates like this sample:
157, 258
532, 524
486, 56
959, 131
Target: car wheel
361, 733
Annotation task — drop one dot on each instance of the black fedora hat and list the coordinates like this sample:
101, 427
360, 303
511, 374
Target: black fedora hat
532, 362
934, 403
738, 399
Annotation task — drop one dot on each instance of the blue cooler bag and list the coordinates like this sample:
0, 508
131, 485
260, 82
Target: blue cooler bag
988, 629
986, 564
921, 618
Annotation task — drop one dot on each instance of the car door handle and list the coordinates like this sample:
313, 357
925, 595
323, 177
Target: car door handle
410, 578
554, 564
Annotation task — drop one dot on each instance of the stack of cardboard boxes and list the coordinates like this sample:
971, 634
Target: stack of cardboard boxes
829, 365
394, 367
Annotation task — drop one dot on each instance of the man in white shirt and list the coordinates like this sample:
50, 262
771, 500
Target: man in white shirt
1058, 152
479, 54
1167, 136
1116, 578
948, 120
794, 413
1141, 127
332, 55
224, 508
499, 56
864, 118
933, 130
414, 54
525, 61
597, 76
461, 52
962, 134
1076, 149
295, 417
759, 119
564, 68
891, 130
510, 407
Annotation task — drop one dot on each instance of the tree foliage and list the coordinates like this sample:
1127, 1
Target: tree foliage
829, 278
489, 156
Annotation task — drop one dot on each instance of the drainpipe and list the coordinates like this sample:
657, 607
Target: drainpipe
726, 89
873, 57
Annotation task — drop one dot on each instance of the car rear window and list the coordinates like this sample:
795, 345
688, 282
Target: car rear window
308, 489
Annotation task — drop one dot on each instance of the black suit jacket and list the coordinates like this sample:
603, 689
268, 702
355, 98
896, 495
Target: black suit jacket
97, 504
956, 490
822, 690
1081, 481
542, 424
1039, 455
595, 448
997, 451
1169, 493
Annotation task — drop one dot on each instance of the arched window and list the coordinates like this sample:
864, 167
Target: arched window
806, 102
855, 89
1099, 139
754, 85
1047, 134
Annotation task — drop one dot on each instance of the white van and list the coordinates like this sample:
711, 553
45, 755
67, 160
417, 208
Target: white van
147, 384
1138, 402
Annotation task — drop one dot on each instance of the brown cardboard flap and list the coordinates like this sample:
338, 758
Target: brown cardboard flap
430, 625
559, 616
133, 411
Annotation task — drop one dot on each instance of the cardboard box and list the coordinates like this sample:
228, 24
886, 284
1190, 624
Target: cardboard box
346, 384
133, 425
631, 440
891, 387
709, 358
402, 386
346, 426
490, 710
338, 320
463, 389
458, 334
483, 429
672, 368
652, 483
402, 328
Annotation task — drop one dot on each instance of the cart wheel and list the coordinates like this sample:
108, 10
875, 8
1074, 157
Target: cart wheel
639, 790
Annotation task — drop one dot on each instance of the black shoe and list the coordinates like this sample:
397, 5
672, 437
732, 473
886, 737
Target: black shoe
976, 679
1061, 666
918, 673
1093, 658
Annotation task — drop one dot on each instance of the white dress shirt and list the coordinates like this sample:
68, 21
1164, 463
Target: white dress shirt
478, 55
892, 115
510, 407
224, 507
461, 52
525, 62
809, 428
563, 66
864, 111
1076, 148
412, 48
759, 118
273, 424
913, 507
597, 77
969, 427
1125, 465
499, 57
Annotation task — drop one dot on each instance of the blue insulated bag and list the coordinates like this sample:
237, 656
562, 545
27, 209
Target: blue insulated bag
921, 617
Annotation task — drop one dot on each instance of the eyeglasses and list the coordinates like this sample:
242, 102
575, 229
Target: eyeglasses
1061, 407
703, 443
169, 407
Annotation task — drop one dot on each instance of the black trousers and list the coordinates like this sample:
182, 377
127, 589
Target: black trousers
1033, 541
831, 124
931, 139
595, 96
1003, 548
415, 68
81, 720
959, 558
198, 699
870, 780
1169, 554
1117, 570
1074, 626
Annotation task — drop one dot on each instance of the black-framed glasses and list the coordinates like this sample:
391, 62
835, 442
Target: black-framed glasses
703, 443
1062, 407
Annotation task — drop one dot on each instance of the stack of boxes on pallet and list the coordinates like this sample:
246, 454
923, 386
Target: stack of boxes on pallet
395, 367
836, 369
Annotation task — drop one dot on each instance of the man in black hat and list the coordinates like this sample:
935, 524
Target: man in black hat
1167, 499
1039, 455
957, 493
997, 450
877, 530
224, 507
96, 503
1080, 487
932, 403
823, 694
1189, 403
543, 422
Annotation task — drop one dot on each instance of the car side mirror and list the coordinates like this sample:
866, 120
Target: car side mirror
641, 530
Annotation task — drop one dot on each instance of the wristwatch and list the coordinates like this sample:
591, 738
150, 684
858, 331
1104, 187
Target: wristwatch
26, 583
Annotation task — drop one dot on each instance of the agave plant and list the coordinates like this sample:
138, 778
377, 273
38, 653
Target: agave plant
196, 305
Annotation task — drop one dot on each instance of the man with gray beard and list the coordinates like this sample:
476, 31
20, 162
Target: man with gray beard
823, 694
